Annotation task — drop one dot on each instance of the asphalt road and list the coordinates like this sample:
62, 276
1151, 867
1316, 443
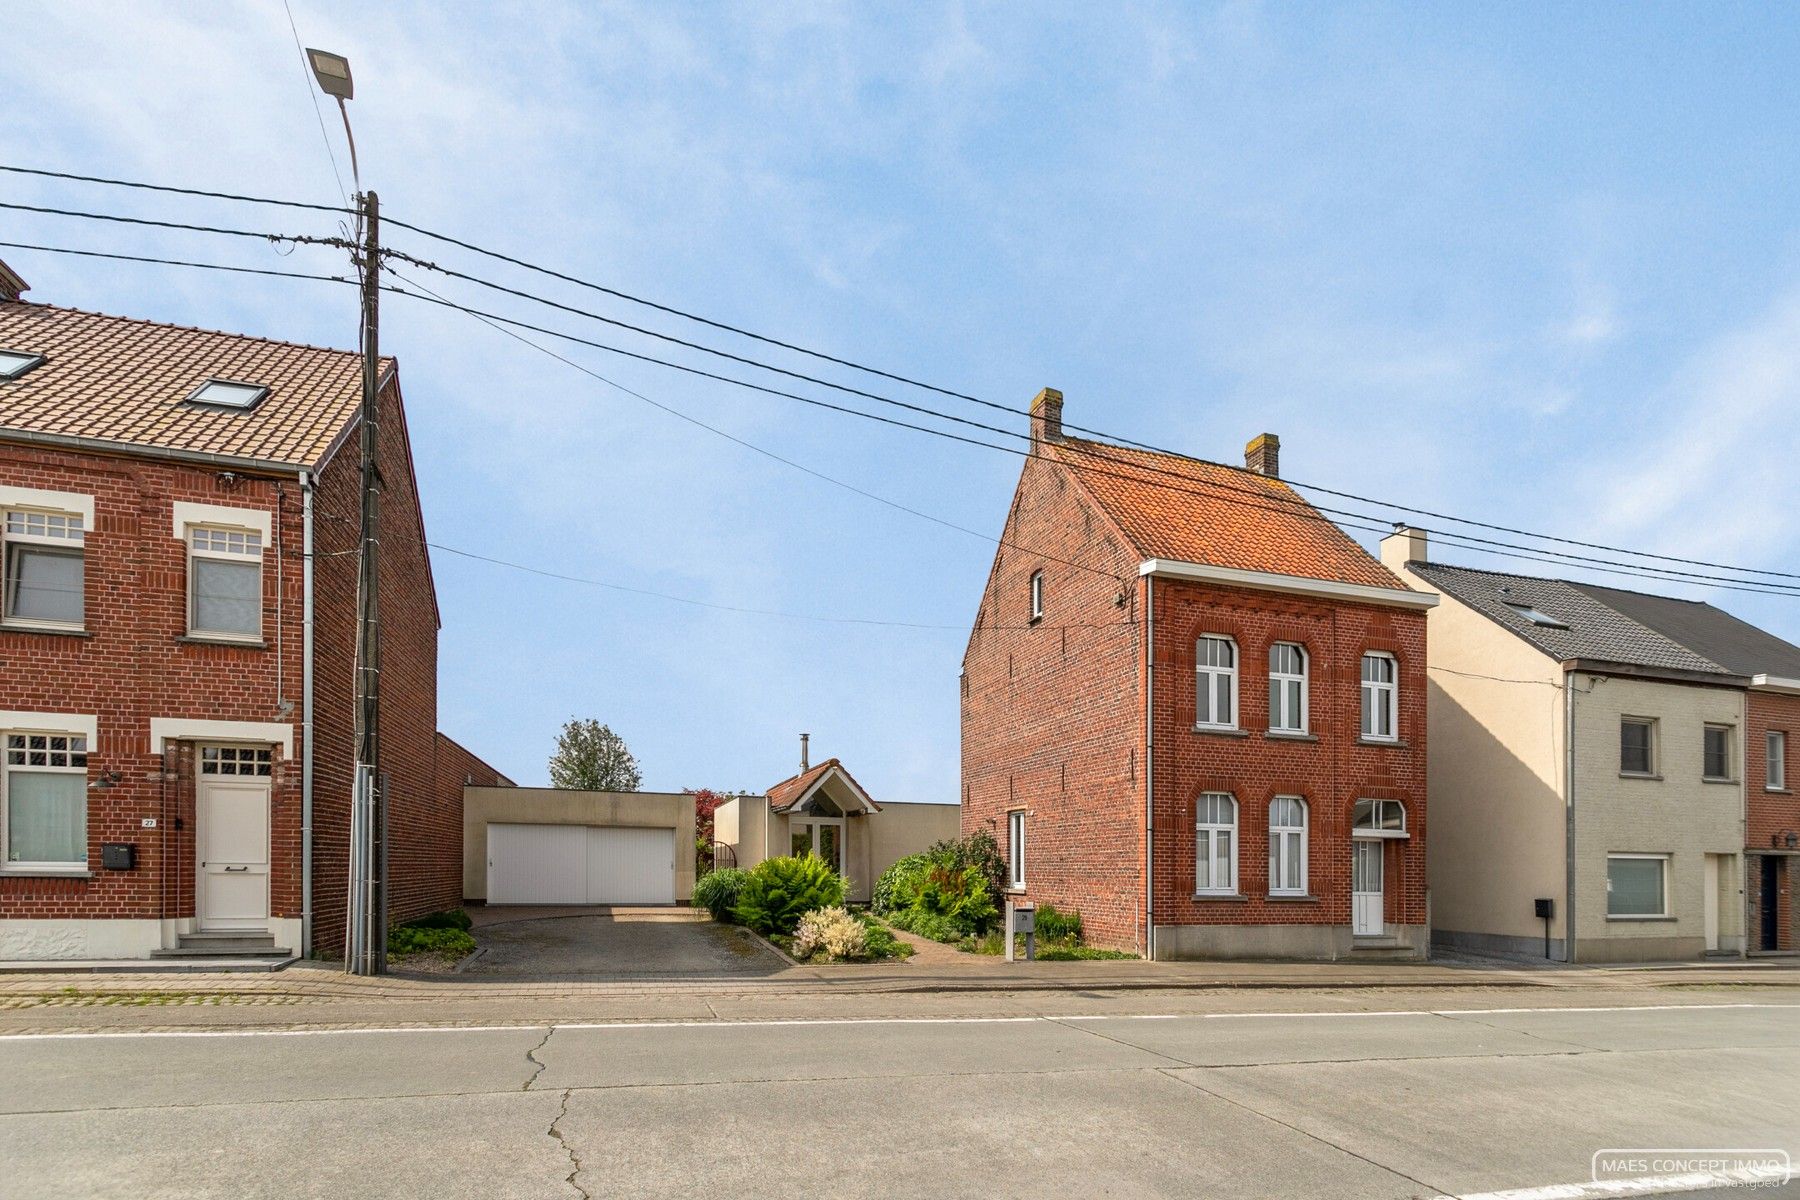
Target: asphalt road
1274, 1104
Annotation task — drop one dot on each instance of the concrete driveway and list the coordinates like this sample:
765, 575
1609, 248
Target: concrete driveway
618, 945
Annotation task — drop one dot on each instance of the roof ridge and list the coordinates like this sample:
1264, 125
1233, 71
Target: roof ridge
151, 321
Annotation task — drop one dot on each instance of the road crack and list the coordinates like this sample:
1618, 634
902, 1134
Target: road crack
532, 1058
555, 1131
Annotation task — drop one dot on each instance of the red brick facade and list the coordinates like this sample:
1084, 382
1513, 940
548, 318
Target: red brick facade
133, 663
1054, 722
1774, 819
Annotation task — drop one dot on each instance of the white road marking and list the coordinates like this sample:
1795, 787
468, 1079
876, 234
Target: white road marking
804, 1021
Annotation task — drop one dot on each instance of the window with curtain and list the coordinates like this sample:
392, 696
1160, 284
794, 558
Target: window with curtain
44, 567
1287, 846
1380, 693
1215, 844
1287, 688
43, 790
1215, 666
1636, 885
225, 583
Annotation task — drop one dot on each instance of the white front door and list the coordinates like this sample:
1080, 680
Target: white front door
1367, 916
232, 839
823, 836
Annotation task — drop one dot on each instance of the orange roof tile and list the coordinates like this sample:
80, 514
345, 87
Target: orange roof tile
1197, 512
783, 795
122, 380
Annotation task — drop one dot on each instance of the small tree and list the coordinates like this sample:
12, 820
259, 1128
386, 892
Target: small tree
592, 758
706, 802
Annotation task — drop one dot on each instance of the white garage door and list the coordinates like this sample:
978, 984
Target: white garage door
580, 864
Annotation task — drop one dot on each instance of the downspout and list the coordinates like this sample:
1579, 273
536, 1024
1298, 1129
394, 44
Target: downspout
1149, 767
1568, 816
306, 718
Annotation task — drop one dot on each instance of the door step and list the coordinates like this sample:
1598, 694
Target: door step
1382, 948
227, 944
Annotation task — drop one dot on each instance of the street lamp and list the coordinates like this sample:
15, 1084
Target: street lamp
365, 942
333, 73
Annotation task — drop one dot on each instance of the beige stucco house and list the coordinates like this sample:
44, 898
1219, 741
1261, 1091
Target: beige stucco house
1582, 761
824, 811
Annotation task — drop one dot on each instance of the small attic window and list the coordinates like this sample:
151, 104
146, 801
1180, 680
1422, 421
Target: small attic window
228, 393
14, 363
1536, 617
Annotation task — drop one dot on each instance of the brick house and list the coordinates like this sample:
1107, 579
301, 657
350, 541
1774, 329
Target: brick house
1193, 709
178, 508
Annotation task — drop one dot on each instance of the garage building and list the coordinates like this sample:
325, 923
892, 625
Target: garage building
556, 846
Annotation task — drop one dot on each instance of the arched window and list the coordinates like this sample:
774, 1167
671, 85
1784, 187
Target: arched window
1215, 667
1287, 846
1215, 845
1287, 688
1380, 696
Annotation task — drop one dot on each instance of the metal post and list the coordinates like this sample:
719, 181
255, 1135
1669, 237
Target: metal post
371, 854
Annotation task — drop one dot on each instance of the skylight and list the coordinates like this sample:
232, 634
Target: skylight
14, 363
226, 393
1534, 616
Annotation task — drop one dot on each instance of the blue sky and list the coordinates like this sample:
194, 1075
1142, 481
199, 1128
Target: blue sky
1534, 264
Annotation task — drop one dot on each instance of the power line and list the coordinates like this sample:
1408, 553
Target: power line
1294, 507
857, 366
181, 191
1285, 504
298, 239
177, 262
306, 82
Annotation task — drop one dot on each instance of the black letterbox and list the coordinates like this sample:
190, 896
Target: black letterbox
118, 856
1546, 908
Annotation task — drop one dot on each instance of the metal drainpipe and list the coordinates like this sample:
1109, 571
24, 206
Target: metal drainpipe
306, 719
1149, 768
1569, 816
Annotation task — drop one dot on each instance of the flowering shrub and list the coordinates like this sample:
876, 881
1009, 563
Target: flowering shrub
830, 934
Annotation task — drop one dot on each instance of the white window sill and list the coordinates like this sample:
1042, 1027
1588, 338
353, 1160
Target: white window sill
1625, 917
54, 630
1291, 735
1718, 779
221, 639
1292, 896
1222, 730
1650, 775
17, 871
1220, 896
1780, 791
1380, 741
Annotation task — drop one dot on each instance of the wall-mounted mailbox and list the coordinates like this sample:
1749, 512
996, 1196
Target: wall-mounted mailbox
118, 856
1546, 907
1024, 920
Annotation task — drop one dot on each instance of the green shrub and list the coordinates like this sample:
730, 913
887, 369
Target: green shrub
959, 897
898, 886
454, 918
881, 941
404, 940
1055, 925
978, 850
717, 891
780, 891
1066, 951
928, 925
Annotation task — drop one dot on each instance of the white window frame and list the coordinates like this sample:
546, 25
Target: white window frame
1278, 681
8, 768
1015, 849
1206, 835
1287, 843
72, 542
1037, 595
1729, 734
1651, 747
1655, 916
1375, 692
193, 533
1775, 761
1206, 676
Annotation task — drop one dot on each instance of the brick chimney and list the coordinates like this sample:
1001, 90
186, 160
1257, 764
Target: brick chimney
1046, 416
10, 284
1263, 455
1406, 544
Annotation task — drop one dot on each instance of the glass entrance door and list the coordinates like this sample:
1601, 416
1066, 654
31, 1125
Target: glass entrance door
821, 836
1367, 917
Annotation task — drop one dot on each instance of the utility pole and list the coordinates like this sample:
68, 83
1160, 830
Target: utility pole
373, 957
365, 907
